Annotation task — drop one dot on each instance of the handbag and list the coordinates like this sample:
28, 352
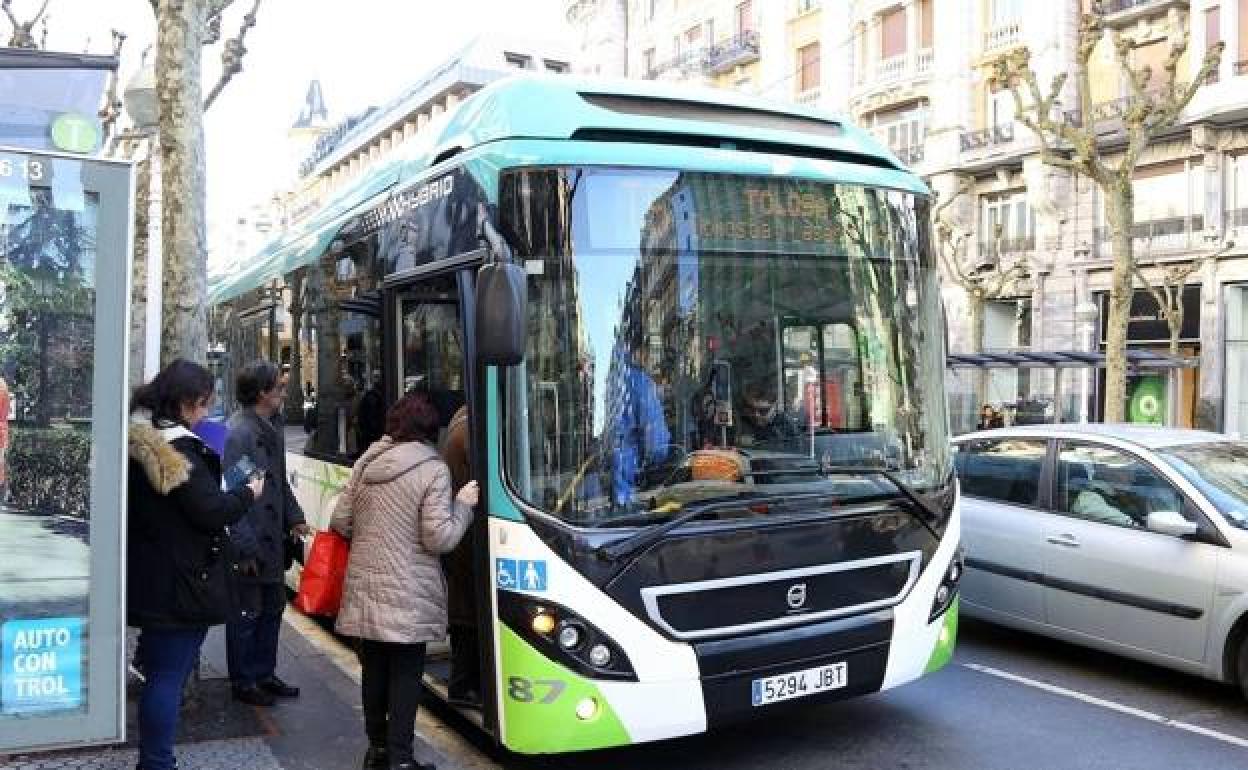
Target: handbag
325, 570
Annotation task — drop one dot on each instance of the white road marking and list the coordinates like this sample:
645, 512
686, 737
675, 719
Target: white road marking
1109, 704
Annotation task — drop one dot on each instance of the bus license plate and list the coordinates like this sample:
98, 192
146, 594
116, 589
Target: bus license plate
800, 683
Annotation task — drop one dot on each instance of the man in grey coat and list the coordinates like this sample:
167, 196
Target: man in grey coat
256, 433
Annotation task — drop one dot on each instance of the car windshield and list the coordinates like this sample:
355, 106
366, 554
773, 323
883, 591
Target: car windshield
697, 337
1219, 469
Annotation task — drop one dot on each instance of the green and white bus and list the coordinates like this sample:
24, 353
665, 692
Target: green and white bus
700, 341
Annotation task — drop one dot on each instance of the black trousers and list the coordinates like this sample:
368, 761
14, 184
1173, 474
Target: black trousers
251, 634
465, 661
390, 690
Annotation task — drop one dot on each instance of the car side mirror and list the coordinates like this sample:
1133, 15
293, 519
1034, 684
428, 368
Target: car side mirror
501, 313
1171, 523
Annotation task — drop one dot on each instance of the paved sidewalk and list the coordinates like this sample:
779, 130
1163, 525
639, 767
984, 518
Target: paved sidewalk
323, 729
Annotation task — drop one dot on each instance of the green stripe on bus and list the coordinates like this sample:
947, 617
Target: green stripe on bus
540, 700
942, 653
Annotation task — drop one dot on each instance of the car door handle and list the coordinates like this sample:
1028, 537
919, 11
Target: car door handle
1070, 541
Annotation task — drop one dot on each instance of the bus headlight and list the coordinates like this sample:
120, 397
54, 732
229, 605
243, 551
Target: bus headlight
600, 655
569, 636
948, 588
587, 709
543, 622
565, 637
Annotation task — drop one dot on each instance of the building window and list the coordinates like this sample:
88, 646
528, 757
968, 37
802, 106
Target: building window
893, 33
743, 17
1006, 12
651, 7
808, 67
1236, 360
806, 6
1213, 34
903, 129
925, 23
1001, 107
647, 62
560, 67
518, 61
1006, 224
693, 36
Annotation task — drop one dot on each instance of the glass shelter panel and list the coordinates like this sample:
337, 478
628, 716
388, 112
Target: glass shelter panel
63, 264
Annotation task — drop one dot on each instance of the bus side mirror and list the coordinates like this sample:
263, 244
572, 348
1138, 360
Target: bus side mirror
502, 300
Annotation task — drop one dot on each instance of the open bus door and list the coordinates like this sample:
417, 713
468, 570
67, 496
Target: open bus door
433, 347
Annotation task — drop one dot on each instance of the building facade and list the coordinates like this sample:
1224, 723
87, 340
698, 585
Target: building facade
919, 74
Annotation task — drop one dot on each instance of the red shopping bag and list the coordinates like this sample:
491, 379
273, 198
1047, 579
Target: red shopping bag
320, 585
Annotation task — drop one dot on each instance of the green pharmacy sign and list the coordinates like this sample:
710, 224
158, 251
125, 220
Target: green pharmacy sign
1148, 401
72, 132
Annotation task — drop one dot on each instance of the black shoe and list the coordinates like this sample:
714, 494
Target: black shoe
377, 758
253, 695
279, 688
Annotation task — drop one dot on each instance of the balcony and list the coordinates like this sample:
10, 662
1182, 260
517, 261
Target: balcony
738, 50
1159, 236
1003, 36
891, 68
1117, 13
1020, 244
987, 137
712, 60
911, 155
923, 61
809, 97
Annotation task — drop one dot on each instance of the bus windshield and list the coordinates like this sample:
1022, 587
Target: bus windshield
699, 337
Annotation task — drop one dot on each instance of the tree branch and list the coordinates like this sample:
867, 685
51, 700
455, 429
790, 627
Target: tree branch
232, 56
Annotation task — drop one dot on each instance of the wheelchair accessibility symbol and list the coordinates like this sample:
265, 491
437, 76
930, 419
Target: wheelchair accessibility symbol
520, 574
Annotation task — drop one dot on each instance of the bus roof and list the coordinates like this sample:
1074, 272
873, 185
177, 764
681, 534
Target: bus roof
560, 107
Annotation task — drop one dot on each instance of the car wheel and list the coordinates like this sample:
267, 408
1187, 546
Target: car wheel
1241, 666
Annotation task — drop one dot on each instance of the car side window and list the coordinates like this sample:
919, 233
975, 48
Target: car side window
1007, 470
1111, 486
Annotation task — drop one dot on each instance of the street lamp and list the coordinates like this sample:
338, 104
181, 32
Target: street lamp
1086, 317
140, 97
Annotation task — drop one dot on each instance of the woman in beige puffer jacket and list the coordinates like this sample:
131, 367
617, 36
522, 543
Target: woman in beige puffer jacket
398, 513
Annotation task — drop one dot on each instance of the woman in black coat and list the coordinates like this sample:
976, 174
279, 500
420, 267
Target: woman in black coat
177, 557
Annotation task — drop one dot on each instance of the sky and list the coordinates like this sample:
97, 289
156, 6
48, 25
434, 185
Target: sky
364, 52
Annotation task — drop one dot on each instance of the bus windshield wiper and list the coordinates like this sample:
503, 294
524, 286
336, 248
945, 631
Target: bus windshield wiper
650, 535
931, 514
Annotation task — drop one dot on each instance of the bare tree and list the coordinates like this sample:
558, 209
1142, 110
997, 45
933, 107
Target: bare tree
184, 28
23, 31
1076, 146
1167, 289
982, 280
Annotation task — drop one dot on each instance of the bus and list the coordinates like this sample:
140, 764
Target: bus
700, 342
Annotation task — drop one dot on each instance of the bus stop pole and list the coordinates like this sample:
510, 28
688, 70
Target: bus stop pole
1057, 394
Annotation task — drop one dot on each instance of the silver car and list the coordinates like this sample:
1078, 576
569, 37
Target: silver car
1126, 538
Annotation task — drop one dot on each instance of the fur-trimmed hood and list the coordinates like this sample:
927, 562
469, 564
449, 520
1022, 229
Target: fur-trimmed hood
166, 468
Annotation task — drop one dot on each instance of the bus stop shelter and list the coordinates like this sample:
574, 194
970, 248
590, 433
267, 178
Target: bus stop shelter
1086, 364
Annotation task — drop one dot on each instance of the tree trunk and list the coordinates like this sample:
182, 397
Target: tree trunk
1175, 322
975, 302
1120, 211
138, 271
181, 25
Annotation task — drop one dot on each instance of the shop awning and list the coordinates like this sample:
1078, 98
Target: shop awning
1064, 359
